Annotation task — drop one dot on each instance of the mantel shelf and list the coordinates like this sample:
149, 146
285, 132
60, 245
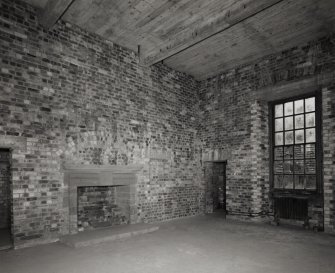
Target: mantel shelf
132, 168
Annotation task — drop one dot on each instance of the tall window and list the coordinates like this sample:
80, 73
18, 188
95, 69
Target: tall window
294, 153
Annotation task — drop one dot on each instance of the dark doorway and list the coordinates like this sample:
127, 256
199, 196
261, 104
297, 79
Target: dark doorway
5, 199
219, 186
215, 173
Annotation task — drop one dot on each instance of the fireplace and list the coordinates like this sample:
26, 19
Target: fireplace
103, 206
100, 196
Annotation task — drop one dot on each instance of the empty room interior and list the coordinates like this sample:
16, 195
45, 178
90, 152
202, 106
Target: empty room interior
163, 136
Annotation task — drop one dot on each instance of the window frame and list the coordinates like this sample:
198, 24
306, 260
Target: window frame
318, 144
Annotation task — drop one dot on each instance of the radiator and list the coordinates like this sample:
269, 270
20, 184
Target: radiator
291, 208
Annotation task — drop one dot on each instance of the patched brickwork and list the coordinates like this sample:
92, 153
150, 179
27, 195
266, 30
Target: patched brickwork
172, 203
260, 151
234, 124
69, 96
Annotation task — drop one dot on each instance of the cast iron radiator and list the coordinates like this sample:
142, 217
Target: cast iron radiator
291, 208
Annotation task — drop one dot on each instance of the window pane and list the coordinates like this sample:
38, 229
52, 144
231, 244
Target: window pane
299, 151
289, 123
311, 182
310, 151
288, 152
299, 122
288, 181
289, 138
279, 124
310, 166
278, 167
299, 181
299, 167
310, 120
294, 151
299, 136
310, 104
278, 181
278, 110
288, 167
299, 106
288, 108
278, 153
279, 139
310, 135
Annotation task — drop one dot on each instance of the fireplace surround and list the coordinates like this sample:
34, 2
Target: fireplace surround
123, 178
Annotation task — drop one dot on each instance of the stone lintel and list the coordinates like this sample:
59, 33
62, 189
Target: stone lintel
132, 168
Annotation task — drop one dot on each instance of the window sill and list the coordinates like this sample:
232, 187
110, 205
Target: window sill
293, 193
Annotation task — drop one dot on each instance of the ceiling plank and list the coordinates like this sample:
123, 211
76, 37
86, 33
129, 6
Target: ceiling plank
240, 12
290, 24
53, 11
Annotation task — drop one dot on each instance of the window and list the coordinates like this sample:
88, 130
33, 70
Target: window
295, 148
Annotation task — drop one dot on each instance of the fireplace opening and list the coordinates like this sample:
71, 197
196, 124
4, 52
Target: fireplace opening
103, 206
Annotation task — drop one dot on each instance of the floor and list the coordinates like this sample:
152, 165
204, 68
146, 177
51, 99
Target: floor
198, 245
5, 241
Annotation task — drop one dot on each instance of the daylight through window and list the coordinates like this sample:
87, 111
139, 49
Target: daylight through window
294, 149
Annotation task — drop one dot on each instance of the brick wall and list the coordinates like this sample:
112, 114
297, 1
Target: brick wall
329, 156
70, 96
233, 109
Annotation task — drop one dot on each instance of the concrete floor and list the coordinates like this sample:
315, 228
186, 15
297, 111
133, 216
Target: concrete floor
198, 245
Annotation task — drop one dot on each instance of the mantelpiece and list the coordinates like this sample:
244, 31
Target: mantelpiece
100, 175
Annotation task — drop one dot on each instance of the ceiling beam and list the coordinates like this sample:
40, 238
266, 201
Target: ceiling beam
53, 11
237, 14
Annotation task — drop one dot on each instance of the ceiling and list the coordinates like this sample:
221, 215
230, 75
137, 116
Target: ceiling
200, 37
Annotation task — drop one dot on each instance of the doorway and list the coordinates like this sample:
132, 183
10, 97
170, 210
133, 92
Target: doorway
5, 199
219, 186
215, 175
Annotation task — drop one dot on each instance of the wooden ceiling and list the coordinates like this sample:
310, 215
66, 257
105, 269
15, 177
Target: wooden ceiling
198, 37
